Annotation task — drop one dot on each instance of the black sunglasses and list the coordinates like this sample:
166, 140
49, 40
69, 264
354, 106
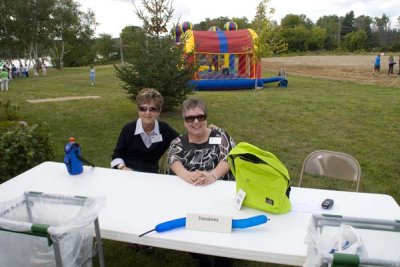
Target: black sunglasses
190, 119
150, 109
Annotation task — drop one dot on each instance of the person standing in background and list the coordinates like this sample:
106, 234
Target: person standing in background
391, 64
4, 79
44, 70
92, 75
377, 65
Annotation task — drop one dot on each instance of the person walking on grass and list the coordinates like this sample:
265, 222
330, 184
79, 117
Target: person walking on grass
377, 65
92, 75
4, 79
391, 64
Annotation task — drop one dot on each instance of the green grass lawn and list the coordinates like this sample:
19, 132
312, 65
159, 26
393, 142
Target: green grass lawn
310, 114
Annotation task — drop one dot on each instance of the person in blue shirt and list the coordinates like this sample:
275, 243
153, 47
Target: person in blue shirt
92, 75
377, 65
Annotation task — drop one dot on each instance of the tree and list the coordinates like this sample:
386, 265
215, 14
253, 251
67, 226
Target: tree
128, 34
106, 46
347, 24
33, 29
155, 15
72, 29
291, 21
153, 59
355, 41
317, 39
364, 23
381, 26
269, 39
28, 24
242, 23
296, 38
208, 23
331, 24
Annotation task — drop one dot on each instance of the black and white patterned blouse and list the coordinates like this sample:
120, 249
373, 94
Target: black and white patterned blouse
201, 157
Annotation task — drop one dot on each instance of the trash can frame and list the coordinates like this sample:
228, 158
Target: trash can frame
321, 220
41, 229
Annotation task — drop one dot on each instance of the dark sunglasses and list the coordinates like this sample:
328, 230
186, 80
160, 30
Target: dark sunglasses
190, 119
150, 109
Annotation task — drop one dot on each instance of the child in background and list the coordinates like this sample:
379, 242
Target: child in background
35, 71
92, 75
44, 70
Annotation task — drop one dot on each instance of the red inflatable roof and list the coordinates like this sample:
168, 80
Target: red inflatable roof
238, 41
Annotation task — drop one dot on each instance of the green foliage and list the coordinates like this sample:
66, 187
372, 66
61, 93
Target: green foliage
269, 39
242, 23
106, 46
155, 15
317, 39
22, 147
157, 63
153, 59
296, 37
347, 24
355, 41
41, 28
8, 111
291, 21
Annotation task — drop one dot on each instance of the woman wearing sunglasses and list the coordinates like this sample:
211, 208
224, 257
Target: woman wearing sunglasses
200, 156
142, 142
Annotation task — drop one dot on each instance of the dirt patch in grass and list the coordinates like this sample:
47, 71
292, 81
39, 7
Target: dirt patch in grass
355, 68
59, 99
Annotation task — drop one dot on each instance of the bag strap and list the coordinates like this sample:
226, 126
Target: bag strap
76, 145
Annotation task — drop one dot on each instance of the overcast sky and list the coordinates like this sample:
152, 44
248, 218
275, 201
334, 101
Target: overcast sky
114, 15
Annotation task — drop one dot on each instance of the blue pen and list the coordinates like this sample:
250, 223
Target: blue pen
236, 223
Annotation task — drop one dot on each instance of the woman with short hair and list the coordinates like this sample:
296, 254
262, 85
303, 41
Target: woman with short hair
200, 156
142, 142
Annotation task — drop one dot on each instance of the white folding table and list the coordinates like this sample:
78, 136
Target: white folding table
137, 202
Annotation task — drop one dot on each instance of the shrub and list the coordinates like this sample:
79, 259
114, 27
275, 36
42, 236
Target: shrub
22, 147
8, 111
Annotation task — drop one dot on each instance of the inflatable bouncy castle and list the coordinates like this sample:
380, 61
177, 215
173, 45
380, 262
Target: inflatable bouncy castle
227, 59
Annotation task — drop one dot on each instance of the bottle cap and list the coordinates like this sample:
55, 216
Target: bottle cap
71, 139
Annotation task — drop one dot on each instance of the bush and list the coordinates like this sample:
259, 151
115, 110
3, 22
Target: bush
22, 147
8, 111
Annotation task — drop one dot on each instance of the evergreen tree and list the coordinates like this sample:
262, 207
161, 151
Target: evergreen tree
154, 60
348, 24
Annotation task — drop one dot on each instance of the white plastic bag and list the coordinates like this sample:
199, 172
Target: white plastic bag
70, 223
347, 241
344, 239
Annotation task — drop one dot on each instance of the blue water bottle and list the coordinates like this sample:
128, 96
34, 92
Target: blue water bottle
72, 157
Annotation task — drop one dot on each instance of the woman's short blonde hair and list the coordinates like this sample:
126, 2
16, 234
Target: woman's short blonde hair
148, 95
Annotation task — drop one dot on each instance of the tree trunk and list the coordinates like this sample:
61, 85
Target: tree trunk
62, 55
